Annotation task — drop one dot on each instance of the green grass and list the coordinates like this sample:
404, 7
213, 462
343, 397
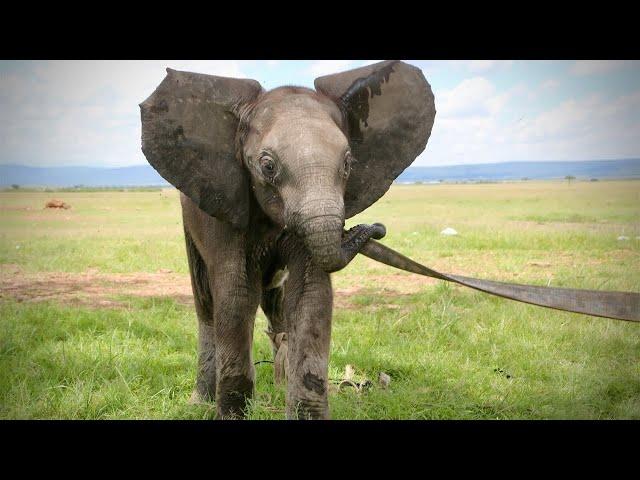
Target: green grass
112, 231
451, 352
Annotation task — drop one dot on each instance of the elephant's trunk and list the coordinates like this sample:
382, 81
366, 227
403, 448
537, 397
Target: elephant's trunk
322, 236
330, 247
318, 221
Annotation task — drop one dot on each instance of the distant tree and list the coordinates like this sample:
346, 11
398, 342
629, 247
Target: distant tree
524, 179
15, 186
593, 180
568, 178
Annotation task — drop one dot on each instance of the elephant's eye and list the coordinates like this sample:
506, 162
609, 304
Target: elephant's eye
268, 166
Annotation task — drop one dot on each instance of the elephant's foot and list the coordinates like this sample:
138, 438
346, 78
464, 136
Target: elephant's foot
205, 389
308, 409
232, 395
198, 399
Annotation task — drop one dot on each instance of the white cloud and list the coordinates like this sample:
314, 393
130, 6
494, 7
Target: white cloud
86, 112
594, 116
83, 112
327, 67
596, 67
472, 97
469, 98
477, 123
369, 62
486, 65
550, 84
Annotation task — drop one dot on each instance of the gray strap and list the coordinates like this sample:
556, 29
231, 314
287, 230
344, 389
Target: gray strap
617, 305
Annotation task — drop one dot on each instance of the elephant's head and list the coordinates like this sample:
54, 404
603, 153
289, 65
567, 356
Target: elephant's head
308, 158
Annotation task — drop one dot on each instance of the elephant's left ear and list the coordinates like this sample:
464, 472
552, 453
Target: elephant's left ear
189, 126
389, 109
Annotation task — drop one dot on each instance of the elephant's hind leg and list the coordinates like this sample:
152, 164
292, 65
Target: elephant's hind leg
206, 377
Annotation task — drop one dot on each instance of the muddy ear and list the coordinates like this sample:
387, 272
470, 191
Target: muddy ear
389, 111
189, 128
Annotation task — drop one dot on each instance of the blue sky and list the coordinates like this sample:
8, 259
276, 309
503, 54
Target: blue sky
86, 112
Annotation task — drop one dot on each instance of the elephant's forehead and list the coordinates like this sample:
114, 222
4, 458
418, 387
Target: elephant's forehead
295, 123
294, 104
298, 134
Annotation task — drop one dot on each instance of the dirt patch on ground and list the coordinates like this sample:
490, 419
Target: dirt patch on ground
91, 289
101, 290
104, 290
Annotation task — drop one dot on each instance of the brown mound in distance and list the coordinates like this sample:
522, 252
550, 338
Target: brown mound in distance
53, 203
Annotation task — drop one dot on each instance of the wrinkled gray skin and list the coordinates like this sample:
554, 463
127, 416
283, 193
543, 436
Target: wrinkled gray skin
294, 146
299, 130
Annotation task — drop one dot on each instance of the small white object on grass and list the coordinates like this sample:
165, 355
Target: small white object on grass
349, 372
448, 231
384, 380
623, 237
17, 247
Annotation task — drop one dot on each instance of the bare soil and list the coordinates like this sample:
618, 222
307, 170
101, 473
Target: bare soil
91, 288
101, 290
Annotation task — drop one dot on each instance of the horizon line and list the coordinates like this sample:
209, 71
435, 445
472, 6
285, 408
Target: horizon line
410, 166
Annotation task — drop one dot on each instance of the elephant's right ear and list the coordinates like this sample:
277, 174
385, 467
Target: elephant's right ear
189, 127
389, 111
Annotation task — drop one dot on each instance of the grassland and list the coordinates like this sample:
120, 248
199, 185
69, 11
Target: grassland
451, 352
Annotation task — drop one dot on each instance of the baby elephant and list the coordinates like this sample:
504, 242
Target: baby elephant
267, 180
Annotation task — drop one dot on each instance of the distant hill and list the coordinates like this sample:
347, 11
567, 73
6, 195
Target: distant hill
145, 175
138, 175
627, 168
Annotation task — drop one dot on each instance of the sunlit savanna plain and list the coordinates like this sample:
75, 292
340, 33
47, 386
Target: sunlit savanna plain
92, 328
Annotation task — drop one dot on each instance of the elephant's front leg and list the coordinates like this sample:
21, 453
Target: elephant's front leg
308, 309
236, 300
